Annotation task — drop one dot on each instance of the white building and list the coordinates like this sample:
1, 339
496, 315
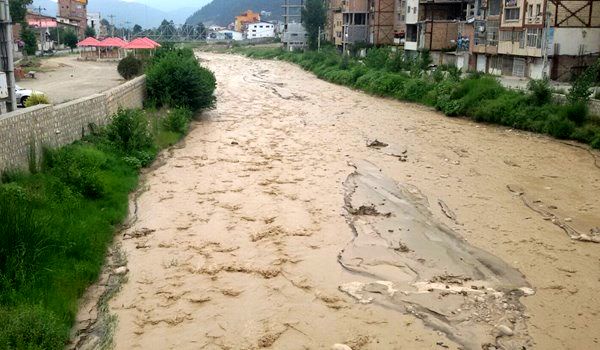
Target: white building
93, 21
260, 30
225, 35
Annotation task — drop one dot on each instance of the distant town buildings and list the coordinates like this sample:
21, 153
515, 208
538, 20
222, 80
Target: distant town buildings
260, 30
523, 38
94, 21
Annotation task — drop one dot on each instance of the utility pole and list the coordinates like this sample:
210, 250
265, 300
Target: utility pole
112, 24
6, 53
546, 44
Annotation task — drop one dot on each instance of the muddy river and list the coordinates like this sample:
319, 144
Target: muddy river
304, 215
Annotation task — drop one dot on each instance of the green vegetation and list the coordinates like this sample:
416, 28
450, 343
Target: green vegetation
90, 32
29, 39
314, 15
37, 99
70, 39
477, 96
59, 219
130, 67
18, 10
175, 78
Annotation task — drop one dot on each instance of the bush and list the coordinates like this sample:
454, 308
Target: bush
377, 58
178, 120
36, 99
29, 39
559, 127
176, 79
130, 67
129, 132
540, 91
32, 328
576, 112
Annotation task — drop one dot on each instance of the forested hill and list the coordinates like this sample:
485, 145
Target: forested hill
223, 12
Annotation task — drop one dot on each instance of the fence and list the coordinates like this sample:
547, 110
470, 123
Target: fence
62, 124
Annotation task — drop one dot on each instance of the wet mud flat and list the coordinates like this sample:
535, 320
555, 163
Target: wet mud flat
280, 223
420, 266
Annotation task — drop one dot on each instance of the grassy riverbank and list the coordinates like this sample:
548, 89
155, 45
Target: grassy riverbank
479, 97
58, 219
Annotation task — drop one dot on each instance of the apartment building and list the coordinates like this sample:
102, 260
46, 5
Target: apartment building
74, 12
533, 38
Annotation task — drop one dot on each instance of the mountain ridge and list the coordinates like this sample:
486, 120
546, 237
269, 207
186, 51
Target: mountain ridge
223, 12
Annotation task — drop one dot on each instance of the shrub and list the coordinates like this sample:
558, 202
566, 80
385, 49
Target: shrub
576, 112
36, 99
377, 58
31, 327
129, 132
176, 79
580, 89
559, 127
78, 167
540, 91
129, 67
178, 120
29, 39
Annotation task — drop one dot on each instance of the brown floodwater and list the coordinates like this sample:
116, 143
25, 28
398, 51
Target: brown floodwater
280, 223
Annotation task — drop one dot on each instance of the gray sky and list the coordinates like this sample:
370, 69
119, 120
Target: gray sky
171, 4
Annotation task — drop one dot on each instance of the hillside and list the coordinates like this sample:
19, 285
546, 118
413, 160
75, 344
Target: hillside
223, 12
125, 11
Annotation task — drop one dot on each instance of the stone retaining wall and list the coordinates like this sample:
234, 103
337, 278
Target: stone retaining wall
62, 124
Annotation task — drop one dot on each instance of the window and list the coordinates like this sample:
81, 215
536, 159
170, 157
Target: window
530, 11
360, 19
534, 38
411, 32
538, 10
494, 7
492, 32
511, 14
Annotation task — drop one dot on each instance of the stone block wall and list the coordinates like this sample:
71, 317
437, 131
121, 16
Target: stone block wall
62, 124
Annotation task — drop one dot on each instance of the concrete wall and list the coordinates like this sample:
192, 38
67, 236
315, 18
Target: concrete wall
570, 40
59, 125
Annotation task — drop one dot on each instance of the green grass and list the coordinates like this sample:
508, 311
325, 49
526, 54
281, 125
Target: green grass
58, 223
479, 97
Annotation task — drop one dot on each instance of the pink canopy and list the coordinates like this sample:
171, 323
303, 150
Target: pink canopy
152, 42
112, 42
89, 41
140, 44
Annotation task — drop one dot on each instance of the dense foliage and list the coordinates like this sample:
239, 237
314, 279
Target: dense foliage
130, 67
314, 15
175, 78
70, 39
478, 96
18, 9
29, 39
90, 32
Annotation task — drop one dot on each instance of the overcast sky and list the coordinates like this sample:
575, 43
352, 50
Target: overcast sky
170, 4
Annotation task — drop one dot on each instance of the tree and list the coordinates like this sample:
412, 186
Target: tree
70, 39
137, 29
314, 15
90, 32
29, 38
18, 10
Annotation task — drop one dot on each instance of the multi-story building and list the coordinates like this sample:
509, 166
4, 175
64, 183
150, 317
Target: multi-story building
382, 18
534, 38
75, 12
93, 21
260, 30
244, 19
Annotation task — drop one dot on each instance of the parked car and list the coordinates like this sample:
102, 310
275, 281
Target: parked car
23, 94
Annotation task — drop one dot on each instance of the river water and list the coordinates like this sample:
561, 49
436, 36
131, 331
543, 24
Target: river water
280, 223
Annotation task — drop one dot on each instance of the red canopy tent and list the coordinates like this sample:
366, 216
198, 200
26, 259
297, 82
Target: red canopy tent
152, 42
140, 44
110, 44
89, 42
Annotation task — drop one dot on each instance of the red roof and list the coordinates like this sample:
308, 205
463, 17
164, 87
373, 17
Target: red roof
139, 43
89, 41
152, 42
114, 42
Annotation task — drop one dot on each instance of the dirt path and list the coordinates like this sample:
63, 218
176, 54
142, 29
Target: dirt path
276, 226
65, 78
